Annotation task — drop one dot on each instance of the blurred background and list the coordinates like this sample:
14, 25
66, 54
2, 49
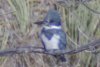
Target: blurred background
80, 21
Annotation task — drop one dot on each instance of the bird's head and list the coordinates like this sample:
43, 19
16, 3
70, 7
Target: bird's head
52, 19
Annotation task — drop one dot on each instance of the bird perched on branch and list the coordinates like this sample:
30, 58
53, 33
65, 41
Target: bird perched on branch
52, 35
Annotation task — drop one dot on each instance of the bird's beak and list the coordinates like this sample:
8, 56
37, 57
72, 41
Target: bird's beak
38, 22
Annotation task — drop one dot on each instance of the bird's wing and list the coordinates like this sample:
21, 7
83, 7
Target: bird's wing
63, 40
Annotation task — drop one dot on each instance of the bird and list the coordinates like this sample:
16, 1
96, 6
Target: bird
52, 35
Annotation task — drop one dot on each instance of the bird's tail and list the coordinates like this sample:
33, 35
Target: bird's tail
60, 58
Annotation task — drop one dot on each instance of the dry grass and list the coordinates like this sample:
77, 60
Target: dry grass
17, 29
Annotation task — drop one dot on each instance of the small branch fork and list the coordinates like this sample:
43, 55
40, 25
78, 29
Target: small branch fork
30, 49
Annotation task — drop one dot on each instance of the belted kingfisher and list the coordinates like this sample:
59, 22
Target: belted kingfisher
52, 35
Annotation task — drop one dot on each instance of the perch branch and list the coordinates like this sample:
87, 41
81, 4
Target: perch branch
31, 49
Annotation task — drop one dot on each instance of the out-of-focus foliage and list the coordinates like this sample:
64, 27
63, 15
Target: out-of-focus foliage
21, 8
17, 29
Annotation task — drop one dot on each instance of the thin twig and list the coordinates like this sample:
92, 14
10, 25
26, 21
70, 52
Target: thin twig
92, 10
81, 2
7, 13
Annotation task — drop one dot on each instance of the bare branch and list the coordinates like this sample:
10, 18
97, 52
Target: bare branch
31, 49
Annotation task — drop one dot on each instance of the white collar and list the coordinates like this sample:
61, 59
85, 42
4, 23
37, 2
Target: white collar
52, 27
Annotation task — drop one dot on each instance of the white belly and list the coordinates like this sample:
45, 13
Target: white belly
52, 43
